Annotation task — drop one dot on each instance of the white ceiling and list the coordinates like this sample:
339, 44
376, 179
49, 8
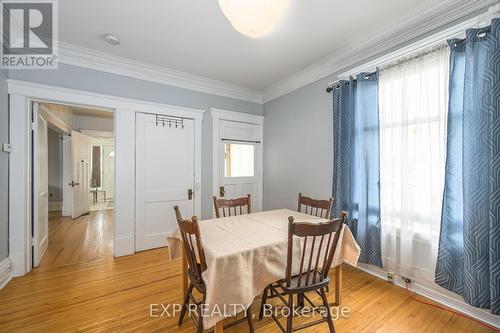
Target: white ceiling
89, 112
193, 36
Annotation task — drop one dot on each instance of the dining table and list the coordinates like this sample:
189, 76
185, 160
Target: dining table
245, 253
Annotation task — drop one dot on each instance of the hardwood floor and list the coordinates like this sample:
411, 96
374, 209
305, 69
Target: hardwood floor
114, 295
86, 238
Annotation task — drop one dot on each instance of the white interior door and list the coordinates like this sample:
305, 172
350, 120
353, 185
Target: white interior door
240, 161
164, 178
80, 165
40, 187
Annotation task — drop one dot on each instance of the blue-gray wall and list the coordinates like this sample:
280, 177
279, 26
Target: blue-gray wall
4, 168
95, 81
298, 149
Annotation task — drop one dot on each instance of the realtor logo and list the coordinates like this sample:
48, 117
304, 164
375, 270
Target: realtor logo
29, 34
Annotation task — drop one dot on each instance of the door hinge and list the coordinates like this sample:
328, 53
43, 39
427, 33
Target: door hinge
33, 241
5, 147
32, 126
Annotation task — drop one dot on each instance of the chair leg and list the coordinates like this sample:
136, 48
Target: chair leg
263, 302
185, 304
300, 300
200, 315
250, 319
290, 315
328, 313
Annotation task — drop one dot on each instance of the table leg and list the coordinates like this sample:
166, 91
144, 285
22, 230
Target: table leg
184, 274
219, 327
338, 284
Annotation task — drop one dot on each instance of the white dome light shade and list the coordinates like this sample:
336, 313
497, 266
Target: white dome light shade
253, 18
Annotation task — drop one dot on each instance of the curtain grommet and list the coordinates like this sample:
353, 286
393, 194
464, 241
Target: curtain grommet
481, 34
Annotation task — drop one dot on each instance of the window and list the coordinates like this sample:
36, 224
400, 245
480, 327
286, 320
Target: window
238, 160
413, 95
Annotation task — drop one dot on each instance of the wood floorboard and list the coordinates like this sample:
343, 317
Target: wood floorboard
86, 238
75, 291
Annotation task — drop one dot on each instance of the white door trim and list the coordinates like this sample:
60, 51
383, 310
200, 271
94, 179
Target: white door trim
217, 116
21, 92
221, 114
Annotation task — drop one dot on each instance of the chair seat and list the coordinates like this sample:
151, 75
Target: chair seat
294, 283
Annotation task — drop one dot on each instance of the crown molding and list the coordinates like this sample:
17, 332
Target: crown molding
83, 57
436, 18
439, 17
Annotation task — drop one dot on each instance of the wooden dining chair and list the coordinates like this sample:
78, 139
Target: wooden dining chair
319, 208
193, 250
315, 263
232, 207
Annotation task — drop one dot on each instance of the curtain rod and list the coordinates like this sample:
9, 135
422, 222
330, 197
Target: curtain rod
331, 85
452, 32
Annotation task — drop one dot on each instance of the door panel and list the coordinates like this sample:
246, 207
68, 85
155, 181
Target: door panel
80, 164
164, 174
240, 155
41, 191
108, 170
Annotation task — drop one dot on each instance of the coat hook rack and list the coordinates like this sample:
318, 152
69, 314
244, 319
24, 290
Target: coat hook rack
169, 121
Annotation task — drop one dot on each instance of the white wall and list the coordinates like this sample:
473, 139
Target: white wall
92, 123
94, 81
298, 149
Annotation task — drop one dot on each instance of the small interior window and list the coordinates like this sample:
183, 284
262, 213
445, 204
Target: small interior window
239, 160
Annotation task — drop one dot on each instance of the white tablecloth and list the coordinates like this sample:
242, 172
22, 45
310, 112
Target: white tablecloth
246, 253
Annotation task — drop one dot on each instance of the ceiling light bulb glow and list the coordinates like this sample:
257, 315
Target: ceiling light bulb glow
253, 18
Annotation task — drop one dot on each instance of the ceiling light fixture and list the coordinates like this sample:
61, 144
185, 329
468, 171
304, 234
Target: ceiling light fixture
111, 39
253, 18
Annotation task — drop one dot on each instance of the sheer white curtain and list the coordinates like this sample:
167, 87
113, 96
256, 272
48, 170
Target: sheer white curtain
413, 95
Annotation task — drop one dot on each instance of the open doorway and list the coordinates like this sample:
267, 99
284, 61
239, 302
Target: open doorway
102, 172
73, 184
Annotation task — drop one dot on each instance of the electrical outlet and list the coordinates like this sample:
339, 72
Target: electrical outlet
390, 277
406, 280
5, 147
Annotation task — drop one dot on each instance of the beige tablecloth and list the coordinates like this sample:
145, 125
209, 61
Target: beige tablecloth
246, 253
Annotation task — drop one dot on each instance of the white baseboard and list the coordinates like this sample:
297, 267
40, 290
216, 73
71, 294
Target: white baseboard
55, 206
124, 246
17, 262
437, 294
5, 272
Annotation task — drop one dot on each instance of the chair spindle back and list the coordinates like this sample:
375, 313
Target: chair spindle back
319, 208
315, 260
232, 207
193, 248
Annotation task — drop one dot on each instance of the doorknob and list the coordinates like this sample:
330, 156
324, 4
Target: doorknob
190, 194
73, 184
222, 192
